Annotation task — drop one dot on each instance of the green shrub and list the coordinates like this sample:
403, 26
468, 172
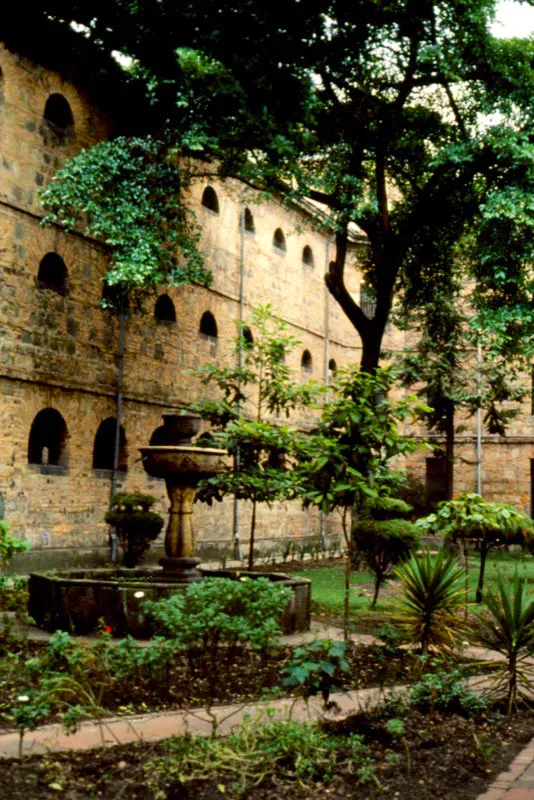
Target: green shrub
9, 545
317, 668
382, 544
508, 627
135, 524
258, 751
471, 518
213, 620
430, 595
446, 691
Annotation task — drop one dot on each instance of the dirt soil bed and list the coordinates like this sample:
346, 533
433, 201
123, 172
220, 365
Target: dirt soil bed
450, 758
245, 677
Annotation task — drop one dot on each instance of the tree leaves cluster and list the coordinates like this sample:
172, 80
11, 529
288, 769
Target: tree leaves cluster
129, 194
409, 121
251, 398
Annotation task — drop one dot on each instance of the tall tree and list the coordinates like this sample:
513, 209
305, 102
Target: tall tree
408, 120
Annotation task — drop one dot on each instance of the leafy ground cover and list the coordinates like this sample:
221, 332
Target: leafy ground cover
427, 756
143, 683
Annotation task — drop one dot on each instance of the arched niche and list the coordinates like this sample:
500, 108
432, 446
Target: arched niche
279, 241
306, 362
58, 119
47, 442
210, 199
332, 368
53, 274
307, 256
246, 335
104, 446
164, 310
248, 221
208, 326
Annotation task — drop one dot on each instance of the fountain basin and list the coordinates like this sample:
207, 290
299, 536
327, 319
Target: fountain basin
79, 601
185, 464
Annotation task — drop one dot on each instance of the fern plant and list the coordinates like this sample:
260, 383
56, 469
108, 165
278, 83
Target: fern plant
509, 629
431, 592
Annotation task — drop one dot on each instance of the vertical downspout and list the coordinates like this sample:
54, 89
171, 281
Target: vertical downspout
237, 543
479, 420
116, 448
322, 528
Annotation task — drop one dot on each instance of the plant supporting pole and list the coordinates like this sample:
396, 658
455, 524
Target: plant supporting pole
322, 527
466, 568
348, 570
118, 416
237, 542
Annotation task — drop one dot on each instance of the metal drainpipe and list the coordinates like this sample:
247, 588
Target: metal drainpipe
322, 528
479, 421
237, 542
116, 448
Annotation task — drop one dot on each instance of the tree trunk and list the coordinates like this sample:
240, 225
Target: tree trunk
378, 581
484, 549
371, 346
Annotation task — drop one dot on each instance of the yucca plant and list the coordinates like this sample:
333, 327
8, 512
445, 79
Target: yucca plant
431, 592
509, 629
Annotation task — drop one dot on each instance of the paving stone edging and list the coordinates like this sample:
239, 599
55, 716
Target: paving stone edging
517, 783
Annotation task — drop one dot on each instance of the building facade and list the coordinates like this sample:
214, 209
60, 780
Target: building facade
59, 350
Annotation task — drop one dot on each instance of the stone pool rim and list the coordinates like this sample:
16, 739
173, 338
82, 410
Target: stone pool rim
81, 600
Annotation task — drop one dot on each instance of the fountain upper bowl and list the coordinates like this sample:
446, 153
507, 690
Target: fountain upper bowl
185, 463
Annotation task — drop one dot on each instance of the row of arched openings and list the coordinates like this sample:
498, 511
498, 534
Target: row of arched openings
47, 442
53, 275
210, 201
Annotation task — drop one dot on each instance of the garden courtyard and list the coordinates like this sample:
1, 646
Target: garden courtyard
222, 706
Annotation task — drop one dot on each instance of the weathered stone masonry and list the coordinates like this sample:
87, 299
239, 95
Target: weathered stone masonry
58, 348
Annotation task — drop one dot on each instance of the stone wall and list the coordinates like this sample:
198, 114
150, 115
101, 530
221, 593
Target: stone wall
58, 350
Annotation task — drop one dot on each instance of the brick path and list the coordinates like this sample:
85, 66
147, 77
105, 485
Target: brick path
515, 784
518, 782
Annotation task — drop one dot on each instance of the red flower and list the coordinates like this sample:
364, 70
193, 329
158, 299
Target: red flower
108, 629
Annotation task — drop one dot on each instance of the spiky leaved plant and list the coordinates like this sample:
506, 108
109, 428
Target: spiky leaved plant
509, 629
431, 592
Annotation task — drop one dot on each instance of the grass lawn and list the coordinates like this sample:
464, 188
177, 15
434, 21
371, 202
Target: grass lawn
327, 587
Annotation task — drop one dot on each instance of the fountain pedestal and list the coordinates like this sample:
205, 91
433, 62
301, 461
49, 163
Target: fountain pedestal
182, 466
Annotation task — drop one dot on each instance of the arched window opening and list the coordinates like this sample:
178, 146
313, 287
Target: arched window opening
159, 437
307, 256
104, 446
436, 478
249, 221
247, 337
164, 310
48, 439
58, 118
206, 439
306, 361
208, 326
367, 300
210, 199
53, 274
332, 369
279, 241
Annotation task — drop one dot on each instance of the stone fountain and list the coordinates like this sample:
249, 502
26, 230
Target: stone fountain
81, 600
182, 465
